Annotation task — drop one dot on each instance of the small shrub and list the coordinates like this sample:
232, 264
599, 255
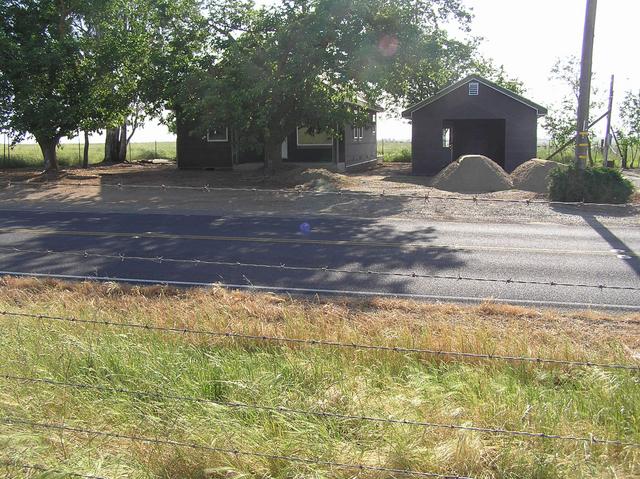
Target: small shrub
402, 155
591, 185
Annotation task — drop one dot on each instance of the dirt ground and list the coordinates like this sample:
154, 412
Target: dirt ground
388, 191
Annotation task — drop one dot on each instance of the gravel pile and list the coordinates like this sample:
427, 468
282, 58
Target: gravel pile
472, 174
533, 175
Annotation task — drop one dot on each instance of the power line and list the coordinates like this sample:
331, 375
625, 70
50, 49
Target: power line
322, 342
37, 467
323, 414
283, 267
235, 452
299, 192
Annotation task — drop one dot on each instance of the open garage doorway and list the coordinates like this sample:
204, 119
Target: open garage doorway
476, 137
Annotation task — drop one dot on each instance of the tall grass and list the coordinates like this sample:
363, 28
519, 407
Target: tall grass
69, 154
545, 399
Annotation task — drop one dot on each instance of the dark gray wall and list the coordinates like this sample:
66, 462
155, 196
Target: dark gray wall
429, 156
192, 151
357, 152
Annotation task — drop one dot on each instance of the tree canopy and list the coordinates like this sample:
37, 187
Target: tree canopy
316, 62
71, 65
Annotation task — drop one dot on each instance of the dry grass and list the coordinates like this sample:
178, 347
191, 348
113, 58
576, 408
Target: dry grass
550, 399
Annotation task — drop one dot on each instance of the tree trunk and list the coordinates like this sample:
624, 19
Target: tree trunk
112, 145
85, 157
50, 153
273, 155
122, 153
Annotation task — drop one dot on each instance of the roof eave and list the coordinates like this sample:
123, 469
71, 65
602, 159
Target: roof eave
541, 111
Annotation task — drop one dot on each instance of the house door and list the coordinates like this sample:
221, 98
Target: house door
478, 137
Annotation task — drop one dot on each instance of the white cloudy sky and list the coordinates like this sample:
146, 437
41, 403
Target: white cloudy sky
527, 36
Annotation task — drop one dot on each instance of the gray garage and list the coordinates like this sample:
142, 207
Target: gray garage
473, 116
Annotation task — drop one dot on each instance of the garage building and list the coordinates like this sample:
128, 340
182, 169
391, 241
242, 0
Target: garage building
473, 117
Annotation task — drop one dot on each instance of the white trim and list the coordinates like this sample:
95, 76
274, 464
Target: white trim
358, 133
226, 139
309, 144
362, 162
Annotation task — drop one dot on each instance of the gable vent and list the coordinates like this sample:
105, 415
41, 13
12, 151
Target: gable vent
474, 88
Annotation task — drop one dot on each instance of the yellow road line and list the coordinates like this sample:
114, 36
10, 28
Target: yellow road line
321, 242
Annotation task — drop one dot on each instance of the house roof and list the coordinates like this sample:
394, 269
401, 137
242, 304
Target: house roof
361, 102
541, 111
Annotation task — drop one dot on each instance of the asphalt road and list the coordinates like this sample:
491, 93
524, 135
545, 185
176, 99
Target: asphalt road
492, 259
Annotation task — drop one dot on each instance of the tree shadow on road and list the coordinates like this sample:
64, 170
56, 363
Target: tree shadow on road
364, 245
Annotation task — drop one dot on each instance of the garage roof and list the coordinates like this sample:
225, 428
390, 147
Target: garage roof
541, 111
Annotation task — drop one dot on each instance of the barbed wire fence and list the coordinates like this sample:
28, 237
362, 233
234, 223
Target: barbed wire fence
235, 335
230, 451
293, 193
321, 342
591, 438
121, 257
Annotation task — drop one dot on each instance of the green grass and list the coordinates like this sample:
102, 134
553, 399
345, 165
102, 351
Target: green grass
568, 156
551, 400
395, 151
29, 155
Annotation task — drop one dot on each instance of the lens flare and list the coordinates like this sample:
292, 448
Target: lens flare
305, 228
388, 45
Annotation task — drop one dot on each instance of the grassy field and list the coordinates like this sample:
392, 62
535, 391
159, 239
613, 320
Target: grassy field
400, 151
29, 155
555, 400
395, 151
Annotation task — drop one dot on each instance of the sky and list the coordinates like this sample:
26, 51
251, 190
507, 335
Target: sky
527, 37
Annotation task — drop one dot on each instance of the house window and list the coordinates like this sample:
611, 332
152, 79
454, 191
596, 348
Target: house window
306, 138
358, 132
474, 88
446, 137
215, 135
373, 123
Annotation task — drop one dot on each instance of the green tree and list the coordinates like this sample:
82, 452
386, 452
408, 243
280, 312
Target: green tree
628, 137
560, 122
167, 39
315, 62
65, 66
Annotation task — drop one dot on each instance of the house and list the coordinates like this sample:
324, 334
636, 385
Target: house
473, 116
222, 149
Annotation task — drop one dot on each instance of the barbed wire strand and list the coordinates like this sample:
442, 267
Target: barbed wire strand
323, 414
319, 291
299, 192
235, 452
325, 269
322, 342
38, 467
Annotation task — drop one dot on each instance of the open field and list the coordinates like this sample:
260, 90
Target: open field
29, 155
395, 151
135, 382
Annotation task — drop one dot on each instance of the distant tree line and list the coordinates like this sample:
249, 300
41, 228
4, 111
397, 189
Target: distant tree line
80, 66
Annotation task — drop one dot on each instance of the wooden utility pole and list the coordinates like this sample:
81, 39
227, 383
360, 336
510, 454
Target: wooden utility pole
582, 145
607, 135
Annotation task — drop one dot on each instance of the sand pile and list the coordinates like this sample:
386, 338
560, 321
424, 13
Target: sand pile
533, 175
472, 174
320, 179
